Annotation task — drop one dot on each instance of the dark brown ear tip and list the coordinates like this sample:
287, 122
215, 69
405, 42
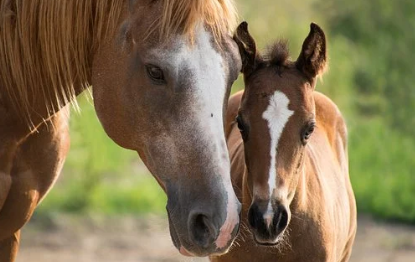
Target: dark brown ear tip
316, 28
244, 24
243, 27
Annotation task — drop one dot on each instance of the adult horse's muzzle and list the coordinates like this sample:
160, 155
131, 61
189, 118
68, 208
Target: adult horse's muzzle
203, 226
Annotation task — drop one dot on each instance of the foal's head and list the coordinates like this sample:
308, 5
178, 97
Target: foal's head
276, 119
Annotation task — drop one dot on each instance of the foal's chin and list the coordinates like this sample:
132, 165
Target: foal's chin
269, 241
269, 236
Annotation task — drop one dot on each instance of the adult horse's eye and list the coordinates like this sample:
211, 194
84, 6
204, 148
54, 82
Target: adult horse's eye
307, 131
156, 74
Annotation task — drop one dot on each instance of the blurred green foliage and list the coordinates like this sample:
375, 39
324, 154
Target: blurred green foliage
371, 78
382, 141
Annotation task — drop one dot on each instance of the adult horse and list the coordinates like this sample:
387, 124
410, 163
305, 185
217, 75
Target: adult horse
161, 72
288, 150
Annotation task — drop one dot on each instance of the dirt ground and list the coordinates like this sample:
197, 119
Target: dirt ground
69, 239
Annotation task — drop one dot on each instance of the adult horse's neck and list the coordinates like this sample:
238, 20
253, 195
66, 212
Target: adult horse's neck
46, 51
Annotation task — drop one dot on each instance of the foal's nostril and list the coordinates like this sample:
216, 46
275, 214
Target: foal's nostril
281, 219
202, 230
266, 225
254, 216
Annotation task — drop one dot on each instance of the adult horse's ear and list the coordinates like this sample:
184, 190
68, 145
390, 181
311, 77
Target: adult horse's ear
247, 48
313, 58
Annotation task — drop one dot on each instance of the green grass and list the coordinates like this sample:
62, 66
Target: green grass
136, 194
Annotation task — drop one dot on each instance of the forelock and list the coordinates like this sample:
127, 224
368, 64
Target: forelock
182, 16
277, 54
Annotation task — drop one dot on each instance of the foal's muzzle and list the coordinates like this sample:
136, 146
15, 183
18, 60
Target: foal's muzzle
267, 225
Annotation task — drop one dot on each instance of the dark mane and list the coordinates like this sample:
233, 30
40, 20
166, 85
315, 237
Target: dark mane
277, 54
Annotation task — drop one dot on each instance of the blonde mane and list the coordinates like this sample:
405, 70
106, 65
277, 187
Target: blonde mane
46, 46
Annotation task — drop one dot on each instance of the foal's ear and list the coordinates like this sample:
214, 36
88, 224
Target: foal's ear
247, 48
313, 58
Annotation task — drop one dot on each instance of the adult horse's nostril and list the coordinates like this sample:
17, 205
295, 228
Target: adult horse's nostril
202, 231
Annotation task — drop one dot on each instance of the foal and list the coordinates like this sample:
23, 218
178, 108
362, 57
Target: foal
289, 158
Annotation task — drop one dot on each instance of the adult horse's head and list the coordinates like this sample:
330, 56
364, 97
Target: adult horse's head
160, 87
276, 118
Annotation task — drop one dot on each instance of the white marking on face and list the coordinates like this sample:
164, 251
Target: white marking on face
210, 75
207, 73
269, 214
277, 115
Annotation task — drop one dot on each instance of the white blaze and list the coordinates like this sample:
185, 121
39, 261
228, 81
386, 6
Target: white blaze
210, 67
205, 65
277, 115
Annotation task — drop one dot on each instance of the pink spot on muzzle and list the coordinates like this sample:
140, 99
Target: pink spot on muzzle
184, 252
225, 235
232, 219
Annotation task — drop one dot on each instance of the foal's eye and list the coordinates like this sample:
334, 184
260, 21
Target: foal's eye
156, 74
240, 124
307, 131
241, 127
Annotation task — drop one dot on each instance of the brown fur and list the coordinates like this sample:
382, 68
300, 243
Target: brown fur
319, 199
36, 166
